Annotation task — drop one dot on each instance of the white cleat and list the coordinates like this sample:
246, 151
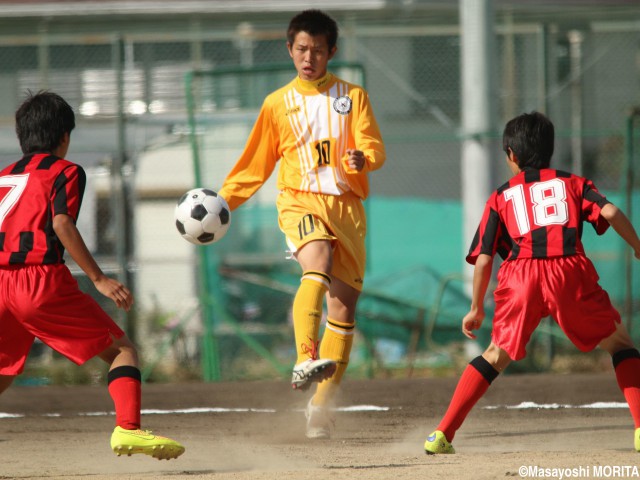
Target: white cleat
309, 371
319, 421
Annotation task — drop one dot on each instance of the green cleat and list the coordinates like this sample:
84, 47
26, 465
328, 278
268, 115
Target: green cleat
437, 443
128, 442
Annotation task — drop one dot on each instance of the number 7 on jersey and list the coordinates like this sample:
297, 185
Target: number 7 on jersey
16, 185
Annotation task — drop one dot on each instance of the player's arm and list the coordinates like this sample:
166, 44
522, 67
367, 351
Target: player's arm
256, 163
369, 152
69, 236
481, 278
622, 225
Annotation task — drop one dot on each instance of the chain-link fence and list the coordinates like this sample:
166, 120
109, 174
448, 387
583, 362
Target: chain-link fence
132, 136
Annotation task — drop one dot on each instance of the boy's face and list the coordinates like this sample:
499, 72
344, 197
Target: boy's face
310, 55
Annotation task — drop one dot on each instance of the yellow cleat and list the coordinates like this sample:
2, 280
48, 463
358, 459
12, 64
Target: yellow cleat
128, 442
636, 439
437, 443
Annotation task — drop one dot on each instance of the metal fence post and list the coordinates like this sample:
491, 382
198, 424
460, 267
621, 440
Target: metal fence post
122, 211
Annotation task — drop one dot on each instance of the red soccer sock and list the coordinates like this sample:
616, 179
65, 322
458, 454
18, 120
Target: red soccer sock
626, 364
473, 383
126, 391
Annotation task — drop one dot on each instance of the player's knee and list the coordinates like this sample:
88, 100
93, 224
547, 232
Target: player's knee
316, 255
496, 357
123, 349
124, 343
619, 340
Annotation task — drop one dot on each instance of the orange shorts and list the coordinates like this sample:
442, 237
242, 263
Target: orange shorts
565, 288
341, 219
44, 301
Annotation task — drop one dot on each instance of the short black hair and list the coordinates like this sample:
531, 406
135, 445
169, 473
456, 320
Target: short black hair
42, 120
530, 137
314, 22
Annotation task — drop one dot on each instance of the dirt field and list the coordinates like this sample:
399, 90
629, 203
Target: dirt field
62, 434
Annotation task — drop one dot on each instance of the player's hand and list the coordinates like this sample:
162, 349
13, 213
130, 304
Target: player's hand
116, 291
355, 160
472, 321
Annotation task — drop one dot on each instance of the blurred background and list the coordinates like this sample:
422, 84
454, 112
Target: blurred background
165, 93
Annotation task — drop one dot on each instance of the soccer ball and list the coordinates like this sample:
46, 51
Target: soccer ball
202, 216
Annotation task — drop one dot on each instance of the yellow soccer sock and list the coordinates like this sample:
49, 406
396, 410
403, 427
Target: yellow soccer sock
336, 345
307, 313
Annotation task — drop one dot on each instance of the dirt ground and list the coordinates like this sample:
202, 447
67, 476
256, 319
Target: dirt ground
62, 434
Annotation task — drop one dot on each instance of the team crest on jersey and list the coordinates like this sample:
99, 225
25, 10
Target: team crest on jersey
342, 105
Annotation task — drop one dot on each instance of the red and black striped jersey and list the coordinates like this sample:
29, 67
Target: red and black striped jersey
33, 191
538, 214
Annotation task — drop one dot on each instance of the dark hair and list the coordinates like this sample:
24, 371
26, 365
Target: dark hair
530, 137
42, 120
314, 22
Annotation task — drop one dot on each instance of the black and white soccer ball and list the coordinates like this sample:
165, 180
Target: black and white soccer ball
202, 216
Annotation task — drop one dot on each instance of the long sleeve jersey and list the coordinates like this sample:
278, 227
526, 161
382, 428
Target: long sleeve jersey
308, 127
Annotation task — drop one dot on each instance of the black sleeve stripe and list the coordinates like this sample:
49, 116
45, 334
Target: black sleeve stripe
593, 196
82, 183
475, 241
490, 233
60, 192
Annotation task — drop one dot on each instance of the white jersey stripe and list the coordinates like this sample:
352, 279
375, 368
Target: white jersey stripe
290, 105
300, 131
319, 131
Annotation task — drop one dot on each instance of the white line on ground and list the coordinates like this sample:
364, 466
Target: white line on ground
552, 406
195, 410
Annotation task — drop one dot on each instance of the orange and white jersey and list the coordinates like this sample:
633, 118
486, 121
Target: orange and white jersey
308, 127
